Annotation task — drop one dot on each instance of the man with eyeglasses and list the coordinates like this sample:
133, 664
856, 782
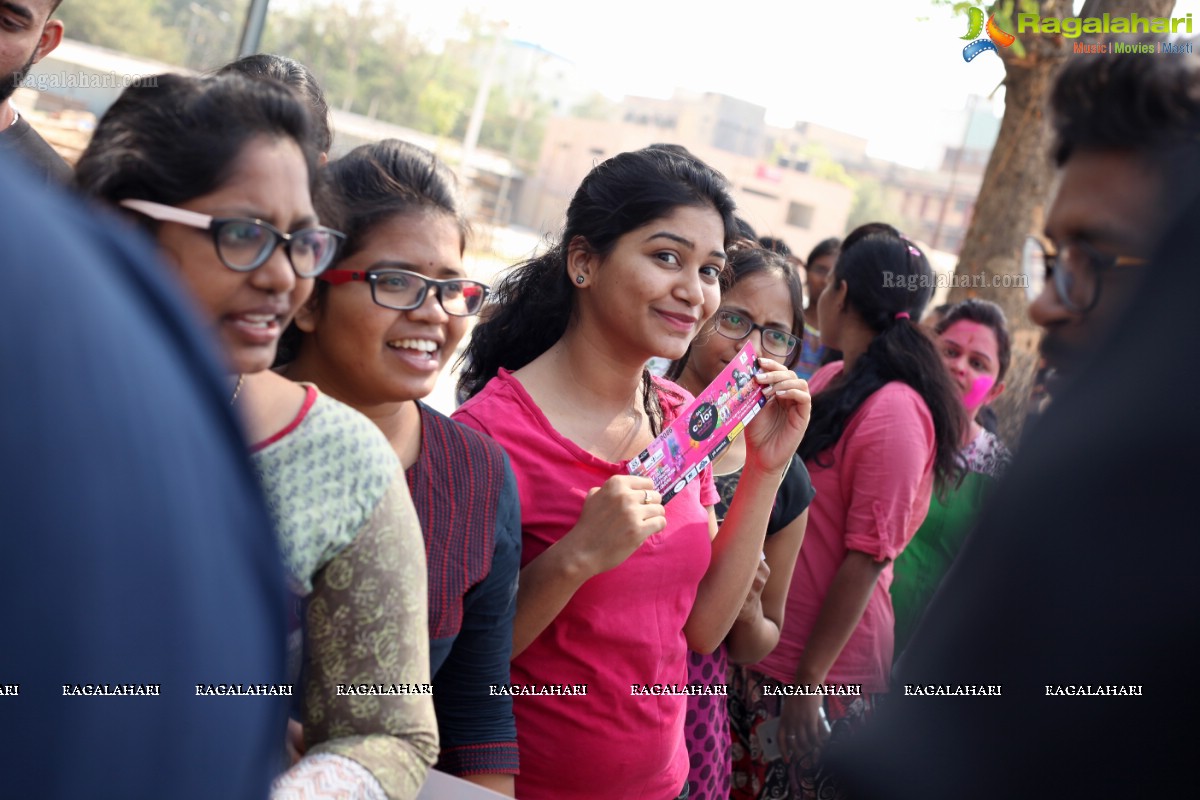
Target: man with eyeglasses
1120, 124
1075, 592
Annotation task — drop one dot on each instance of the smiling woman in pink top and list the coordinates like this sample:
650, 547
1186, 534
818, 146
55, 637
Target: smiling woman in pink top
886, 421
614, 587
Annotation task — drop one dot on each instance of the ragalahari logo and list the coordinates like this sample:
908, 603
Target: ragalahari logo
995, 35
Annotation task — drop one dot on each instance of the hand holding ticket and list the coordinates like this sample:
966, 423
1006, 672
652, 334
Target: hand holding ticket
617, 517
704, 429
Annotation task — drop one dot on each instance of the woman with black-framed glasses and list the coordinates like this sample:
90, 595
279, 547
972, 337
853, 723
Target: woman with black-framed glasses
221, 172
764, 297
378, 331
244, 244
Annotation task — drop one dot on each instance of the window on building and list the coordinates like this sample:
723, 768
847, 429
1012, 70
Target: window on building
800, 215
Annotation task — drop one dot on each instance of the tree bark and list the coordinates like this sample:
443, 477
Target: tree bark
1015, 193
1123, 8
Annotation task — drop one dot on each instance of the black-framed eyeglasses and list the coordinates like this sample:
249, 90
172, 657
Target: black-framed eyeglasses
245, 244
733, 325
402, 290
1075, 268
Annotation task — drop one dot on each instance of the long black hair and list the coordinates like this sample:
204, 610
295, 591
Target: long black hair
746, 259
825, 247
888, 277
389, 178
536, 301
293, 74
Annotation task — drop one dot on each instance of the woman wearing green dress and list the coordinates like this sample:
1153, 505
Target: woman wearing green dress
973, 340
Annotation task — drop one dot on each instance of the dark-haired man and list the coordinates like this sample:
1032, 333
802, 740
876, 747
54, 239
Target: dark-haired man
27, 35
1123, 125
1069, 604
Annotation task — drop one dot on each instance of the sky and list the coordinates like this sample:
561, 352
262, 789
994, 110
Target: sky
890, 71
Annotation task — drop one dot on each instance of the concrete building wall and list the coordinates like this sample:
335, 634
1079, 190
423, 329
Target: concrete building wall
788, 143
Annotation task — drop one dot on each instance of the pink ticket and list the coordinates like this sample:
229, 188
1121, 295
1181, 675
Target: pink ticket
704, 429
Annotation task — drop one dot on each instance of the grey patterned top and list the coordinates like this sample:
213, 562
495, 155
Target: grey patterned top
323, 477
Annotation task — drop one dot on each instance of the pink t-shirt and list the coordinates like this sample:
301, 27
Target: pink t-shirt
872, 499
623, 627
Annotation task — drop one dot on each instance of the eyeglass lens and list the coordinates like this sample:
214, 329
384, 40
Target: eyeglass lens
1075, 274
1075, 277
245, 244
736, 326
406, 290
1033, 261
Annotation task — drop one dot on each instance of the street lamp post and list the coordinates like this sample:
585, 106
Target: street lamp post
256, 20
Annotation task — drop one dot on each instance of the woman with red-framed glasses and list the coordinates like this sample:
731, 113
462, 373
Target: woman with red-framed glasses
221, 172
378, 331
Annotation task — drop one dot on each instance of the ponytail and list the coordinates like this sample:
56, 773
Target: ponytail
889, 284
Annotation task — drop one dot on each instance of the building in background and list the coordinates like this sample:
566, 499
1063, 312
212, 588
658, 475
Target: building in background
787, 203
704, 119
798, 145
937, 205
796, 183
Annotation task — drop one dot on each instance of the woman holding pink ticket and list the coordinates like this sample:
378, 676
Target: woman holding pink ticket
614, 587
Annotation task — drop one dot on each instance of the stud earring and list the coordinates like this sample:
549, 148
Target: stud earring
579, 279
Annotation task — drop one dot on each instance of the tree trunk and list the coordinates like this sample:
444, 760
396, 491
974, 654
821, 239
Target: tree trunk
1015, 192
1123, 8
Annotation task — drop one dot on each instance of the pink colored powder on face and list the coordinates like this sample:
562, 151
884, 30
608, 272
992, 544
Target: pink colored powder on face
974, 397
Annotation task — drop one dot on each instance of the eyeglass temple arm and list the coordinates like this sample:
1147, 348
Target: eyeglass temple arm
339, 276
169, 213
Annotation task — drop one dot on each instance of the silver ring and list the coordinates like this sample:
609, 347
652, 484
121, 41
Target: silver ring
646, 497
